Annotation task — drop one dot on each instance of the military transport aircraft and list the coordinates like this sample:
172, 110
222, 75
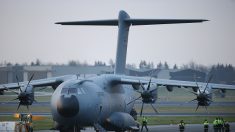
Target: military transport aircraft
106, 101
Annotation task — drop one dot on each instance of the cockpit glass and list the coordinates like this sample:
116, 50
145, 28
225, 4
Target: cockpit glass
64, 90
69, 91
73, 90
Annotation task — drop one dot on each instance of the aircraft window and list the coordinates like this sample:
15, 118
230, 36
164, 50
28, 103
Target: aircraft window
73, 90
79, 91
64, 90
82, 90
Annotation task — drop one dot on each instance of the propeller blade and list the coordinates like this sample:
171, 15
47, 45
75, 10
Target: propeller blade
138, 91
195, 79
14, 92
208, 81
189, 91
154, 108
142, 86
133, 100
206, 109
197, 107
20, 89
199, 91
192, 100
29, 82
205, 88
15, 99
193, 92
149, 84
197, 83
208, 99
18, 106
17, 79
35, 101
141, 109
10, 90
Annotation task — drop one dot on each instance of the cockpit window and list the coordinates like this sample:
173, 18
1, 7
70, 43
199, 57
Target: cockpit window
69, 91
73, 90
64, 90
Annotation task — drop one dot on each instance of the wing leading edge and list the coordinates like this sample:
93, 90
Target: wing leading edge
53, 81
122, 79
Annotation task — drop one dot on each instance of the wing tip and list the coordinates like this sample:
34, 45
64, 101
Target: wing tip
59, 23
204, 20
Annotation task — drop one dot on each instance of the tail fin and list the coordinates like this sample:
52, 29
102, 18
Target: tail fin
124, 22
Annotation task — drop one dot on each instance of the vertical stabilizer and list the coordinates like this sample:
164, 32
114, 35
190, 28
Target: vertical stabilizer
123, 30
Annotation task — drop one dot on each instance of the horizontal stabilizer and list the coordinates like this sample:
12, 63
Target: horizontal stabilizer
162, 21
114, 22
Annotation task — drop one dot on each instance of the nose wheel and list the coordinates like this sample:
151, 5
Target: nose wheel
76, 128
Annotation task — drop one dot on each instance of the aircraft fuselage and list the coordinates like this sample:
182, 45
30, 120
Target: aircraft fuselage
86, 102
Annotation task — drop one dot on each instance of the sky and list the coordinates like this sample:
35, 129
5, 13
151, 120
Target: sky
28, 32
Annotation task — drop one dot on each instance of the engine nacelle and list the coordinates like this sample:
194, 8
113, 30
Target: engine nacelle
222, 93
1, 92
136, 86
222, 90
195, 89
122, 121
169, 88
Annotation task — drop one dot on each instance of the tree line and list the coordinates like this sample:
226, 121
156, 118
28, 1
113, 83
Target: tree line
142, 65
222, 73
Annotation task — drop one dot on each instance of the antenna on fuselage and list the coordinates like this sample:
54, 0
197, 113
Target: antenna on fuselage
124, 22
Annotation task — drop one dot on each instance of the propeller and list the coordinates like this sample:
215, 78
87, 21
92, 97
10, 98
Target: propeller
147, 96
23, 96
202, 97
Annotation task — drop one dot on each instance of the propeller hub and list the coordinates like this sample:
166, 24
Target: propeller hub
22, 96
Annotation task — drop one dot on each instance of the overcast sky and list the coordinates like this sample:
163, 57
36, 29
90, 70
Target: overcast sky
27, 31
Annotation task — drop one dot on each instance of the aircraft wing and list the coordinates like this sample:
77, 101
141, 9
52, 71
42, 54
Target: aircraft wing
53, 81
171, 83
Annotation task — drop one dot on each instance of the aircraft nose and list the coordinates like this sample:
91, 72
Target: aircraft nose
68, 106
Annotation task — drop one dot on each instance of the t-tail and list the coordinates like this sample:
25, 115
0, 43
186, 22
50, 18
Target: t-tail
124, 22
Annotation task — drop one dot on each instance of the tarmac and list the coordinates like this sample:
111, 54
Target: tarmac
166, 128
162, 103
175, 104
155, 128
145, 114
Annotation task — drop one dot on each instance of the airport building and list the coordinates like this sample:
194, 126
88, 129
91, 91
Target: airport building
8, 74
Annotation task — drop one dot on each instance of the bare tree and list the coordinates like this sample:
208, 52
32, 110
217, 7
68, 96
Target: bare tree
166, 66
159, 65
143, 64
111, 63
175, 67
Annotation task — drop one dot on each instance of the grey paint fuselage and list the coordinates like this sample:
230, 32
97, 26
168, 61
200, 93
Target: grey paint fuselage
97, 100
